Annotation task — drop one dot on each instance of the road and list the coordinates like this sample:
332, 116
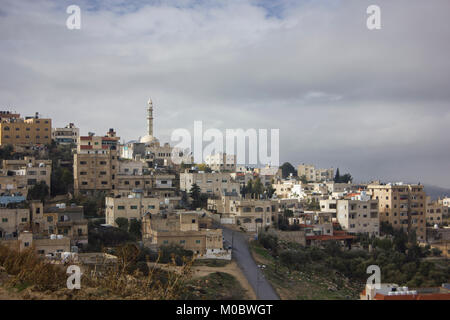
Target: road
254, 275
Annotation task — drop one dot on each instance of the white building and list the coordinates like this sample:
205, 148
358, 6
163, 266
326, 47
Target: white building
221, 162
67, 135
357, 216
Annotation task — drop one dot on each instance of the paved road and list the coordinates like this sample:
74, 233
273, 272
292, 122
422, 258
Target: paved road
254, 275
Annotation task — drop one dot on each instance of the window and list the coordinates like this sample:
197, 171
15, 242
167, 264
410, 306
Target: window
197, 241
4, 219
120, 207
133, 207
24, 219
182, 241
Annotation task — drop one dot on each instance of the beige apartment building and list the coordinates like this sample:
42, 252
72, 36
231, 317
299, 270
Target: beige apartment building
221, 162
212, 184
17, 176
357, 216
314, 174
152, 184
27, 131
268, 174
249, 213
13, 221
95, 164
132, 207
43, 246
67, 135
190, 229
435, 212
401, 205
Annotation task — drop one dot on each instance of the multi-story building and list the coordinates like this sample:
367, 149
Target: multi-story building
135, 175
95, 164
67, 135
249, 213
51, 246
13, 221
17, 176
289, 189
191, 230
132, 207
68, 221
268, 174
27, 131
314, 223
213, 184
358, 216
401, 205
221, 162
435, 211
314, 174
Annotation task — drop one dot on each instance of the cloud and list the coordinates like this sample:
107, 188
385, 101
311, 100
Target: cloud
372, 102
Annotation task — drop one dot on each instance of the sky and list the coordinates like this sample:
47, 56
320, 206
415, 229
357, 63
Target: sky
375, 103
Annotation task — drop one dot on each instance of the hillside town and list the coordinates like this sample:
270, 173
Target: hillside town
64, 195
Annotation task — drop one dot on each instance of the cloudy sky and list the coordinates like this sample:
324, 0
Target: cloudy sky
375, 103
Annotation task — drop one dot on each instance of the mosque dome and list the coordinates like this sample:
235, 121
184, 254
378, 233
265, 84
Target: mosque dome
149, 140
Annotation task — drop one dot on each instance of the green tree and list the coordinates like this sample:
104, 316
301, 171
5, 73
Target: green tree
195, 194
303, 179
39, 191
287, 169
135, 228
346, 178
204, 167
122, 223
6, 152
258, 187
337, 177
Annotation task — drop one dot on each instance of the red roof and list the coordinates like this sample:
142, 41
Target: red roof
423, 296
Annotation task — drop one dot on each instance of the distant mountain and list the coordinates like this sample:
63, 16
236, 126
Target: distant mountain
436, 192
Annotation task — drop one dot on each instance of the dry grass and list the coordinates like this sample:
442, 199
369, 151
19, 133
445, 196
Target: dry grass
101, 282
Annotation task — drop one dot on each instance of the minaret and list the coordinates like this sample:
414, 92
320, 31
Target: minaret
150, 117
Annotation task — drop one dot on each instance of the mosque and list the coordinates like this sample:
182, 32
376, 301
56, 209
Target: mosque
148, 148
